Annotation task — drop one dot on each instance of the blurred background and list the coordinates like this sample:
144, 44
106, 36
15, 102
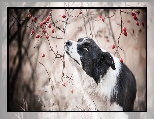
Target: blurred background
29, 72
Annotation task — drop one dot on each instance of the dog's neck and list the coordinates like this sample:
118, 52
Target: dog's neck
99, 92
104, 88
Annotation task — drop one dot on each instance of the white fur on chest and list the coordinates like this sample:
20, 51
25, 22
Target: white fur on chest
108, 82
102, 92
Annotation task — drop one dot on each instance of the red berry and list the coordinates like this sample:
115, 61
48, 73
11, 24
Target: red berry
53, 30
125, 33
121, 60
63, 15
29, 15
44, 30
142, 23
133, 13
34, 19
43, 55
49, 25
128, 21
47, 36
113, 46
80, 12
64, 84
135, 17
48, 18
41, 24
124, 28
32, 32
137, 23
44, 22
107, 40
38, 36
72, 90
102, 18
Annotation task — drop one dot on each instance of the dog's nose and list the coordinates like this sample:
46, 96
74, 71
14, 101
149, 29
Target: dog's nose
68, 43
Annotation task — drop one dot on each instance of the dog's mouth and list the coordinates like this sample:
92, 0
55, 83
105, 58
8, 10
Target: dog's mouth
67, 52
66, 49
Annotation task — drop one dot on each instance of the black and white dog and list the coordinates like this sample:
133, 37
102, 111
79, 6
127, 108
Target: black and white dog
115, 80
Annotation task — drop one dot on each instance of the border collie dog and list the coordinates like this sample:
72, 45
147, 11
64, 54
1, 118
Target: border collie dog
115, 80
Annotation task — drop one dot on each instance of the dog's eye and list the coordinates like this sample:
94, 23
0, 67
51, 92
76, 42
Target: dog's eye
86, 49
85, 45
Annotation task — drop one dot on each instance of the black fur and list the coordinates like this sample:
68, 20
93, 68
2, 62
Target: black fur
94, 61
126, 86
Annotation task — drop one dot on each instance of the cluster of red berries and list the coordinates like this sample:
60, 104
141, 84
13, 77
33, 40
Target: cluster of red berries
45, 21
135, 17
41, 24
113, 46
33, 18
46, 35
48, 18
49, 25
124, 31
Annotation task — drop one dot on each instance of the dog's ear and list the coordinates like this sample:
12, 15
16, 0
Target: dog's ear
101, 65
108, 59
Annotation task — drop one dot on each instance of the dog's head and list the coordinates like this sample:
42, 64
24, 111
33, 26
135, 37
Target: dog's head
86, 54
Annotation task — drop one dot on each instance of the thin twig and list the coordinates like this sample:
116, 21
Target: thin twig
46, 70
89, 24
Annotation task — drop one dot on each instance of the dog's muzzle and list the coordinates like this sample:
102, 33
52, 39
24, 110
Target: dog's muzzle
67, 44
